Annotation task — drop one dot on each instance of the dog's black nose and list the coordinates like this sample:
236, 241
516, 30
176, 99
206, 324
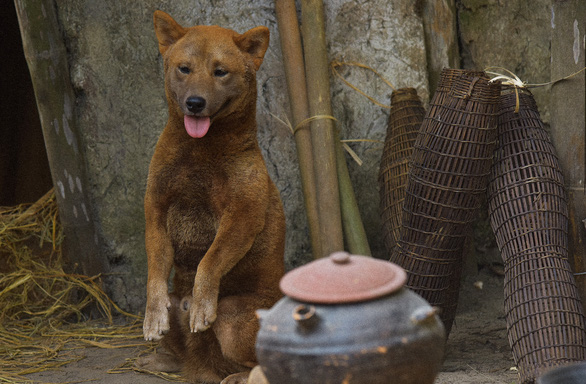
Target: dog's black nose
195, 104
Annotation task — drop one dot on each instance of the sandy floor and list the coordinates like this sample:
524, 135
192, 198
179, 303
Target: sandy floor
477, 351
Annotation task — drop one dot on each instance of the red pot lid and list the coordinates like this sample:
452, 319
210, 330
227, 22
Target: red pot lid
343, 278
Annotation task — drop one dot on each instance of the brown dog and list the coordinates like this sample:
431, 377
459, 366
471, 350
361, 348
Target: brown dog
212, 211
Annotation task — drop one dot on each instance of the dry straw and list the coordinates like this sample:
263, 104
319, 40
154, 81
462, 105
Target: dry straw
338, 64
43, 309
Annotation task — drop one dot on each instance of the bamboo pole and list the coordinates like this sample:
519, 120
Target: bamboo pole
441, 38
354, 233
325, 136
295, 75
323, 130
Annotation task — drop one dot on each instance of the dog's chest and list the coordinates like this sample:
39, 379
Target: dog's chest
192, 226
192, 213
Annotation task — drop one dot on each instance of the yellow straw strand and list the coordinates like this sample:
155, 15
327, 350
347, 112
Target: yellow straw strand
514, 80
346, 147
313, 118
294, 130
337, 64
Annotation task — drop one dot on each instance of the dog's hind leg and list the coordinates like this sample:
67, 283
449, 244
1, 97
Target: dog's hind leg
236, 328
162, 361
200, 353
167, 356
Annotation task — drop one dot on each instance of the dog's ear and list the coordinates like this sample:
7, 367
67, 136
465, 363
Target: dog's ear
168, 30
254, 42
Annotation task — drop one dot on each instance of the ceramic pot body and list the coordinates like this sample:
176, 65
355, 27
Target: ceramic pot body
571, 374
396, 339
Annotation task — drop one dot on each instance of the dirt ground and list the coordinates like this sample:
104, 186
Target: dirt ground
477, 350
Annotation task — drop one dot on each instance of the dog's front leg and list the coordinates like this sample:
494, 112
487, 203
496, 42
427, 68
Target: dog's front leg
160, 261
233, 240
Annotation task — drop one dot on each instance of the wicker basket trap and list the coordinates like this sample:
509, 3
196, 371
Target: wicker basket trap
404, 121
529, 215
448, 177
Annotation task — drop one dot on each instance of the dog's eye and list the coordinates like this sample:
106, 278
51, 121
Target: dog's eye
220, 73
185, 70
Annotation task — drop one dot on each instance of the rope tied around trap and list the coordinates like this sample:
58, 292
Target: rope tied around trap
511, 79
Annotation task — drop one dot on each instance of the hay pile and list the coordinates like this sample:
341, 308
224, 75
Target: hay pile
42, 317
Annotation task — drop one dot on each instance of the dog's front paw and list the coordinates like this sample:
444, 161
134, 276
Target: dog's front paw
156, 320
202, 314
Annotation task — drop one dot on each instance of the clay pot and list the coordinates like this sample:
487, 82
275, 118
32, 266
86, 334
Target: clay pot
348, 319
571, 374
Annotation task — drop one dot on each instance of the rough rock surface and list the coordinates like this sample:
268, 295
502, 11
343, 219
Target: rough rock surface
116, 71
515, 35
389, 37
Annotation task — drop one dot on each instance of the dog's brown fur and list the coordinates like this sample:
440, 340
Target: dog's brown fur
212, 212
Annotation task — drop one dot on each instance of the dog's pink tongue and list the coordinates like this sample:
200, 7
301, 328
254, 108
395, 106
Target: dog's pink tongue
196, 126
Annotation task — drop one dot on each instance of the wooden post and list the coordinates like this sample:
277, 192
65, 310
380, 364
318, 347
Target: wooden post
354, 232
441, 38
568, 119
47, 61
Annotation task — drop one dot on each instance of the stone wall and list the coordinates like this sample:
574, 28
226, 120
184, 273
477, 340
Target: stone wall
116, 72
120, 109
515, 35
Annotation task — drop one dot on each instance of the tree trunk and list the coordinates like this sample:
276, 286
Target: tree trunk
46, 58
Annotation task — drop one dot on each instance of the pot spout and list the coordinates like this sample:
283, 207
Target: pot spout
260, 313
305, 316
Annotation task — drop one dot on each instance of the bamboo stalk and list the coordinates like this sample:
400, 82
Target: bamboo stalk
354, 233
318, 85
323, 131
295, 75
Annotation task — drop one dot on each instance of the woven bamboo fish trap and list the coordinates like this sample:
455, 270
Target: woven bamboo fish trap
404, 121
529, 215
448, 177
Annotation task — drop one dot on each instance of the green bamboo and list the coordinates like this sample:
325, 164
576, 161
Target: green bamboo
295, 75
354, 233
323, 130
